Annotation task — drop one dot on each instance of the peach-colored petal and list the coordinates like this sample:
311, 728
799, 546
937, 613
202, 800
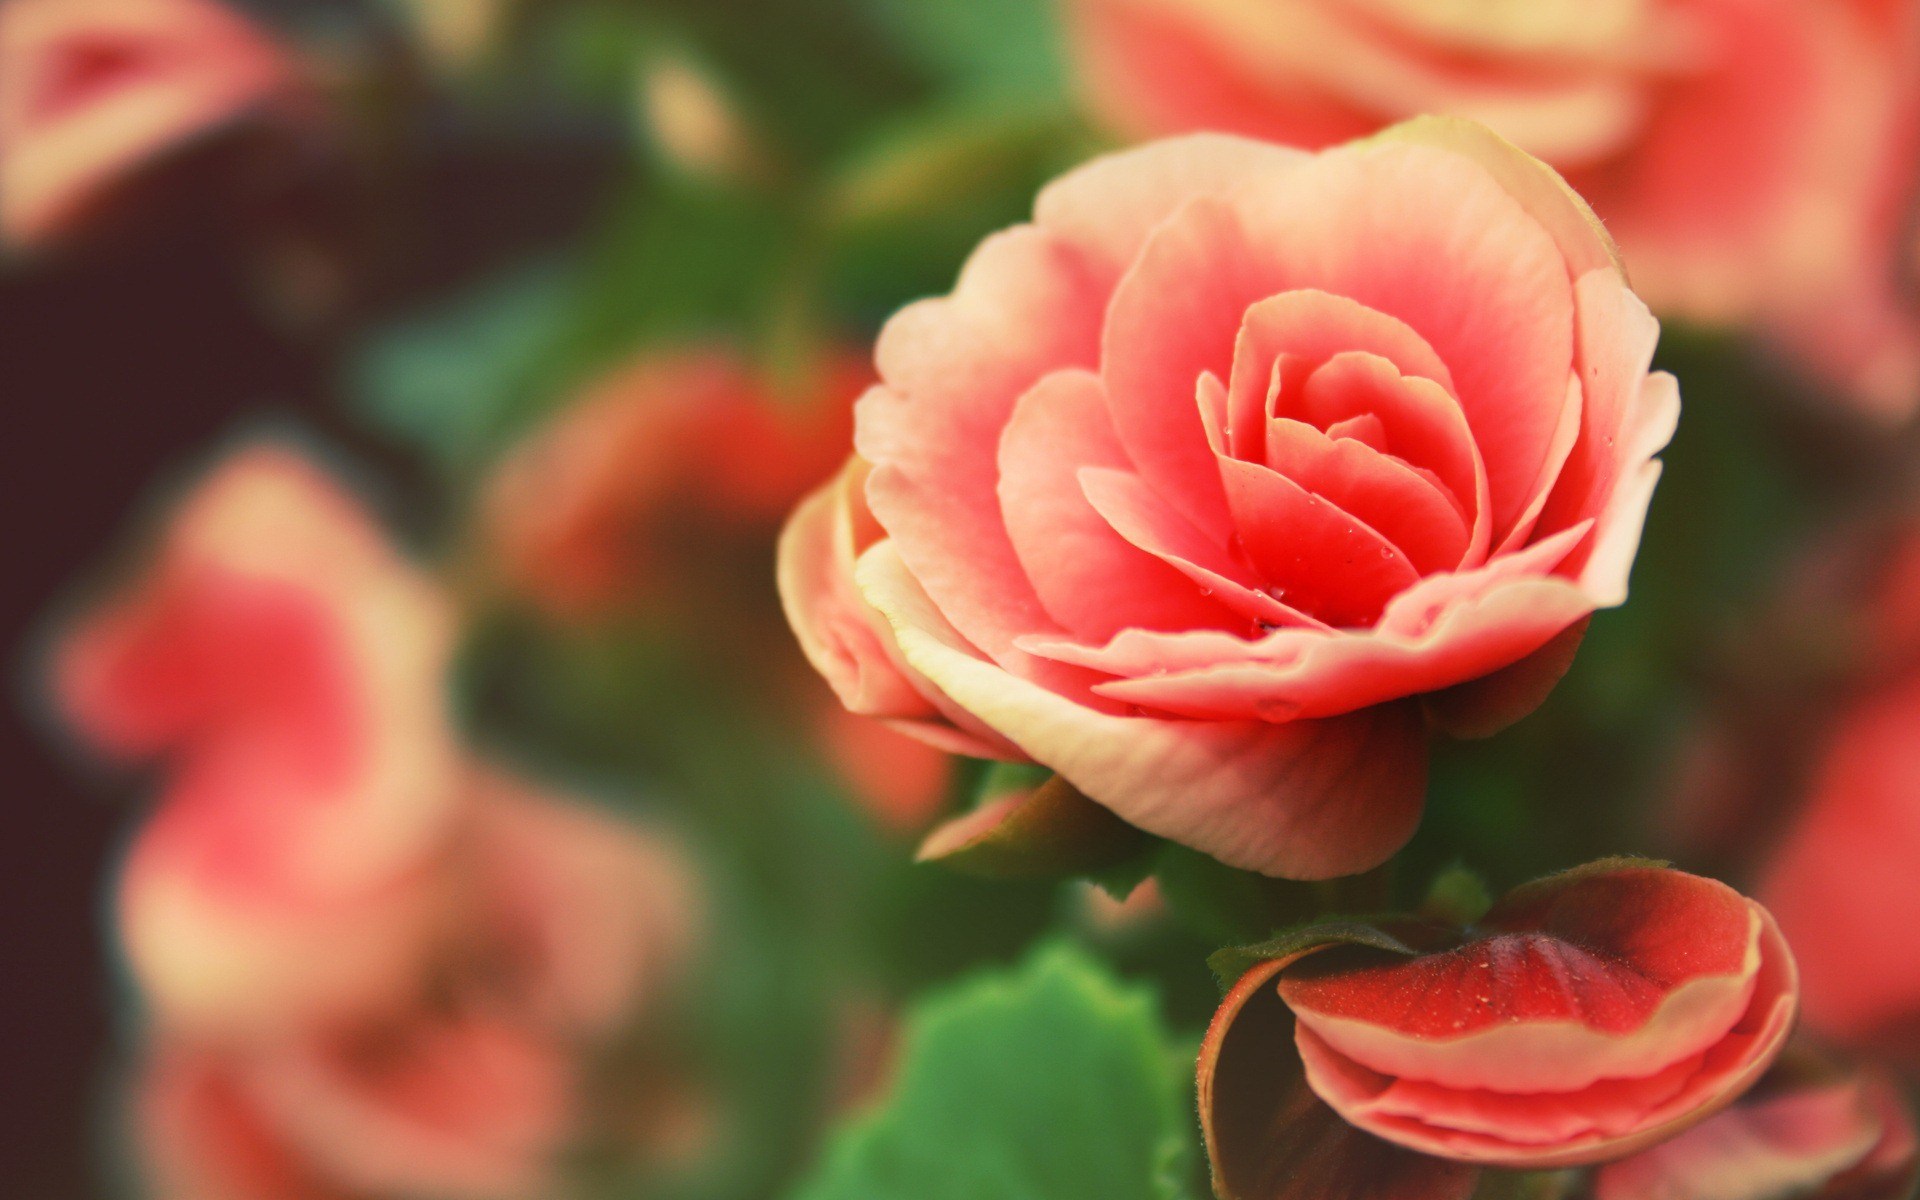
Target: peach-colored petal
468, 1107
1452, 635
1108, 207
833, 625
1604, 1108
1476, 277
1533, 1014
953, 369
1583, 240
1089, 578
1272, 798
1150, 70
845, 640
212, 955
1628, 417
202, 1135
1175, 316
288, 667
275, 639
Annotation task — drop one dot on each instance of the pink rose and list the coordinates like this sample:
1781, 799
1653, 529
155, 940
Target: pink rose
1810, 1128
1216, 485
1583, 1018
1710, 134
286, 668
95, 92
574, 926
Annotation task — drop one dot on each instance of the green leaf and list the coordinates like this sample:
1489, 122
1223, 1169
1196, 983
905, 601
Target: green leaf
1052, 1083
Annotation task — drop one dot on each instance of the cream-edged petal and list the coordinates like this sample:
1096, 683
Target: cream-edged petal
1304, 800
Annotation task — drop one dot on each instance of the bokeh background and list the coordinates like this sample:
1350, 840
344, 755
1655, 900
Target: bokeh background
576, 296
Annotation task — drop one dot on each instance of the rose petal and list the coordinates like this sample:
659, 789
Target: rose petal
1414, 514
1474, 275
1092, 580
1312, 553
953, 369
1271, 798
1423, 426
1138, 514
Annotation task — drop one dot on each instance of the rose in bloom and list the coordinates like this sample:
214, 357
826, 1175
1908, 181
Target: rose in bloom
577, 928
1811, 1128
637, 481
1583, 1018
1842, 878
284, 667
1712, 135
1217, 483
96, 92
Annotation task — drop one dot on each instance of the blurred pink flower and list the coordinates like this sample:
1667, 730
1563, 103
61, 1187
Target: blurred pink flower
575, 926
285, 668
95, 92
1842, 881
1713, 136
1853, 314
674, 460
1420, 459
1809, 1129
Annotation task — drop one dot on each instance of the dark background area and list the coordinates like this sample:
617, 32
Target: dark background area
115, 368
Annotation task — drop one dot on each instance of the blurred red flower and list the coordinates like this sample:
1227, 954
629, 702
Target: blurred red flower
661, 489
677, 458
